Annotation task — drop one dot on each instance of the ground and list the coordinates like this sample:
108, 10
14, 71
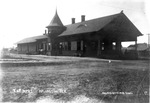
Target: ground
29, 78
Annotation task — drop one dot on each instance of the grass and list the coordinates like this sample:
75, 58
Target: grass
65, 80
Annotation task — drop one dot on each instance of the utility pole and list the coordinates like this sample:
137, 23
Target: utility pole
148, 40
148, 45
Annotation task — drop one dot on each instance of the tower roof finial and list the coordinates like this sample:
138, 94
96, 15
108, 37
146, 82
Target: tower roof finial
121, 11
56, 9
55, 21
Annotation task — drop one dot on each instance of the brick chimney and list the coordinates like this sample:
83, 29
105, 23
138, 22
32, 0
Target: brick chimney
82, 18
73, 20
45, 32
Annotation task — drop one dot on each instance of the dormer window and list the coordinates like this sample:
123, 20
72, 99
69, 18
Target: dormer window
82, 25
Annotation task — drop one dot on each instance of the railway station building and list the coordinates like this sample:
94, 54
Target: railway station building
100, 37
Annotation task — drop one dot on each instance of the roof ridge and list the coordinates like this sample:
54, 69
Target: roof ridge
93, 19
30, 39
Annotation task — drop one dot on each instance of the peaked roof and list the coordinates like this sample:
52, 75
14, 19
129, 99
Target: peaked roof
88, 26
99, 23
31, 39
55, 21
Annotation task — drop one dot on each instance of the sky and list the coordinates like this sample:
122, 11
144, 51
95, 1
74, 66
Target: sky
20, 19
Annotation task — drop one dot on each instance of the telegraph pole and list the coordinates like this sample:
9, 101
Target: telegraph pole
148, 40
148, 50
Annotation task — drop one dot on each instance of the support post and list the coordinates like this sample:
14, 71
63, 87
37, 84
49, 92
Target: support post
136, 53
136, 45
118, 46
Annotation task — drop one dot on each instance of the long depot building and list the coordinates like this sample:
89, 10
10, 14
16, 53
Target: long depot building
100, 37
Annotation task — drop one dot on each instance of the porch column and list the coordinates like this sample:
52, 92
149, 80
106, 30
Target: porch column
136, 45
136, 52
99, 48
118, 45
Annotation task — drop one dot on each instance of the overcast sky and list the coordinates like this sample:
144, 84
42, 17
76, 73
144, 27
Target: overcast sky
25, 18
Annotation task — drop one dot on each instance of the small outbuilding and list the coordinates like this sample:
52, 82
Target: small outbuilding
142, 49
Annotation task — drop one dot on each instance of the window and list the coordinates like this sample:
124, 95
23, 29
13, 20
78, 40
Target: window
73, 45
78, 45
114, 46
82, 25
63, 45
102, 46
94, 45
48, 46
69, 45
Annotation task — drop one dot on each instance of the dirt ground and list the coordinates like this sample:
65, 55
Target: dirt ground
29, 78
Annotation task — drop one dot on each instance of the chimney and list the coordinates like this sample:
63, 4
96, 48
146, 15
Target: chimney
45, 31
82, 18
73, 20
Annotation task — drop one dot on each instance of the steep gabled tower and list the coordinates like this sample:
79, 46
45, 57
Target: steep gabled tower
55, 28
